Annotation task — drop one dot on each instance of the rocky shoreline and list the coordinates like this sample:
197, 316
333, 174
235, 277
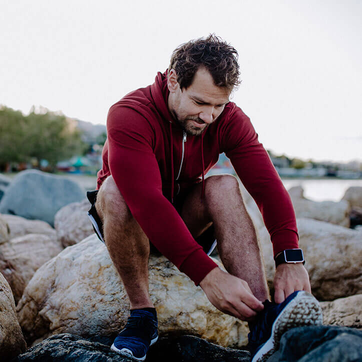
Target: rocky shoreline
70, 302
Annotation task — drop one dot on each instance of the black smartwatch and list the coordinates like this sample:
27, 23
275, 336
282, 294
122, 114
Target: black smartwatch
290, 256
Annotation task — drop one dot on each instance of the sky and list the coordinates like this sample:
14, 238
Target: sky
301, 61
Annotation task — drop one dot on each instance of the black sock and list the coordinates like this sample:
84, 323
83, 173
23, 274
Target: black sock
151, 310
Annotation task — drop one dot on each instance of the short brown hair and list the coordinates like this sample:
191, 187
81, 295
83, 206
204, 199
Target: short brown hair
218, 57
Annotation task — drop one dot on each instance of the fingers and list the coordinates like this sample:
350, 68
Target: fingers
279, 296
240, 311
243, 304
252, 302
231, 295
248, 306
236, 302
307, 287
248, 297
283, 291
288, 279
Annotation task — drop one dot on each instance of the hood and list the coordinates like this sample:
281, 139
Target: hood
159, 94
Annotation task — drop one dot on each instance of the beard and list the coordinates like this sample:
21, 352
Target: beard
187, 124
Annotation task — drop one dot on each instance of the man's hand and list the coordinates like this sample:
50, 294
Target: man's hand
288, 279
231, 295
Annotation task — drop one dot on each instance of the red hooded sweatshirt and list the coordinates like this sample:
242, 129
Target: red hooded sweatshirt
152, 161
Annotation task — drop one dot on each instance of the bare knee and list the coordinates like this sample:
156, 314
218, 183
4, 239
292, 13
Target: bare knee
222, 186
110, 202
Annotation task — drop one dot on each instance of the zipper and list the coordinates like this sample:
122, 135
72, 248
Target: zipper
184, 139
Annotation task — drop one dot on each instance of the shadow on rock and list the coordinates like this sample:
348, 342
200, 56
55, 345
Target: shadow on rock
69, 348
190, 348
66, 347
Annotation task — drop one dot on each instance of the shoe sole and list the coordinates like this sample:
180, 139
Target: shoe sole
303, 310
127, 353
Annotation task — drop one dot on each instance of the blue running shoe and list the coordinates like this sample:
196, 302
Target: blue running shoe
298, 310
140, 333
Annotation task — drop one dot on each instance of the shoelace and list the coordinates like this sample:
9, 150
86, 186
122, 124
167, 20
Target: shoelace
261, 327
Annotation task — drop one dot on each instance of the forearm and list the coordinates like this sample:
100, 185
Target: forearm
264, 184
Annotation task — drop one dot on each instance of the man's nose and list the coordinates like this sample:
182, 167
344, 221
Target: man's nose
207, 115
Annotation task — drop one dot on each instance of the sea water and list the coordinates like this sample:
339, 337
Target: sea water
323, 189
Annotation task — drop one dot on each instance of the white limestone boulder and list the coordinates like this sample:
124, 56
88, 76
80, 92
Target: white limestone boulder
12, 341
353, 196
19, 226
328, 211
22, 256
72, 223
333, 258
80, 292
345, 312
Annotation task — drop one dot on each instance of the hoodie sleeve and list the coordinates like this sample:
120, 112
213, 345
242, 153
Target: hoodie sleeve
136, 172
256, 171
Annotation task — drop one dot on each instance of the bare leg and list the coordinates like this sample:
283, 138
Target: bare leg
127, 244
237, 241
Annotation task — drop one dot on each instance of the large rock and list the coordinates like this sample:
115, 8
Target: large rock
69, 348
4, 183
80, 292
20, 226
356, 217
4, 231
319, 344
328, 211
72, 223
38, 196
353, 196
333, 258
345, 312
21, 257
191, 349
12, 342
2, 191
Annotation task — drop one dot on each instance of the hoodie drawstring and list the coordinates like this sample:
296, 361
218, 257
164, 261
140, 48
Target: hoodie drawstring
203, 166
172, 168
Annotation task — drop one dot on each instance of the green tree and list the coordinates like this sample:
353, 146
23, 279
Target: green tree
297, 163
101, 138
52, 137
13, 128
40, 135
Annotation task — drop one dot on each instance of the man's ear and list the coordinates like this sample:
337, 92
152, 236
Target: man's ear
172, 83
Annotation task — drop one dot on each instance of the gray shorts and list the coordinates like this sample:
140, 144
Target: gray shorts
206, 240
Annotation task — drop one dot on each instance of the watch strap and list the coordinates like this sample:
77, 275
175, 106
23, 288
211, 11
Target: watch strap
290, 256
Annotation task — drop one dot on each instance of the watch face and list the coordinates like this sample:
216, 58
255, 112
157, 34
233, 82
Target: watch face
294, 255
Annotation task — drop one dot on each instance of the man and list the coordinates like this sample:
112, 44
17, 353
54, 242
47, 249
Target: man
152, 193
